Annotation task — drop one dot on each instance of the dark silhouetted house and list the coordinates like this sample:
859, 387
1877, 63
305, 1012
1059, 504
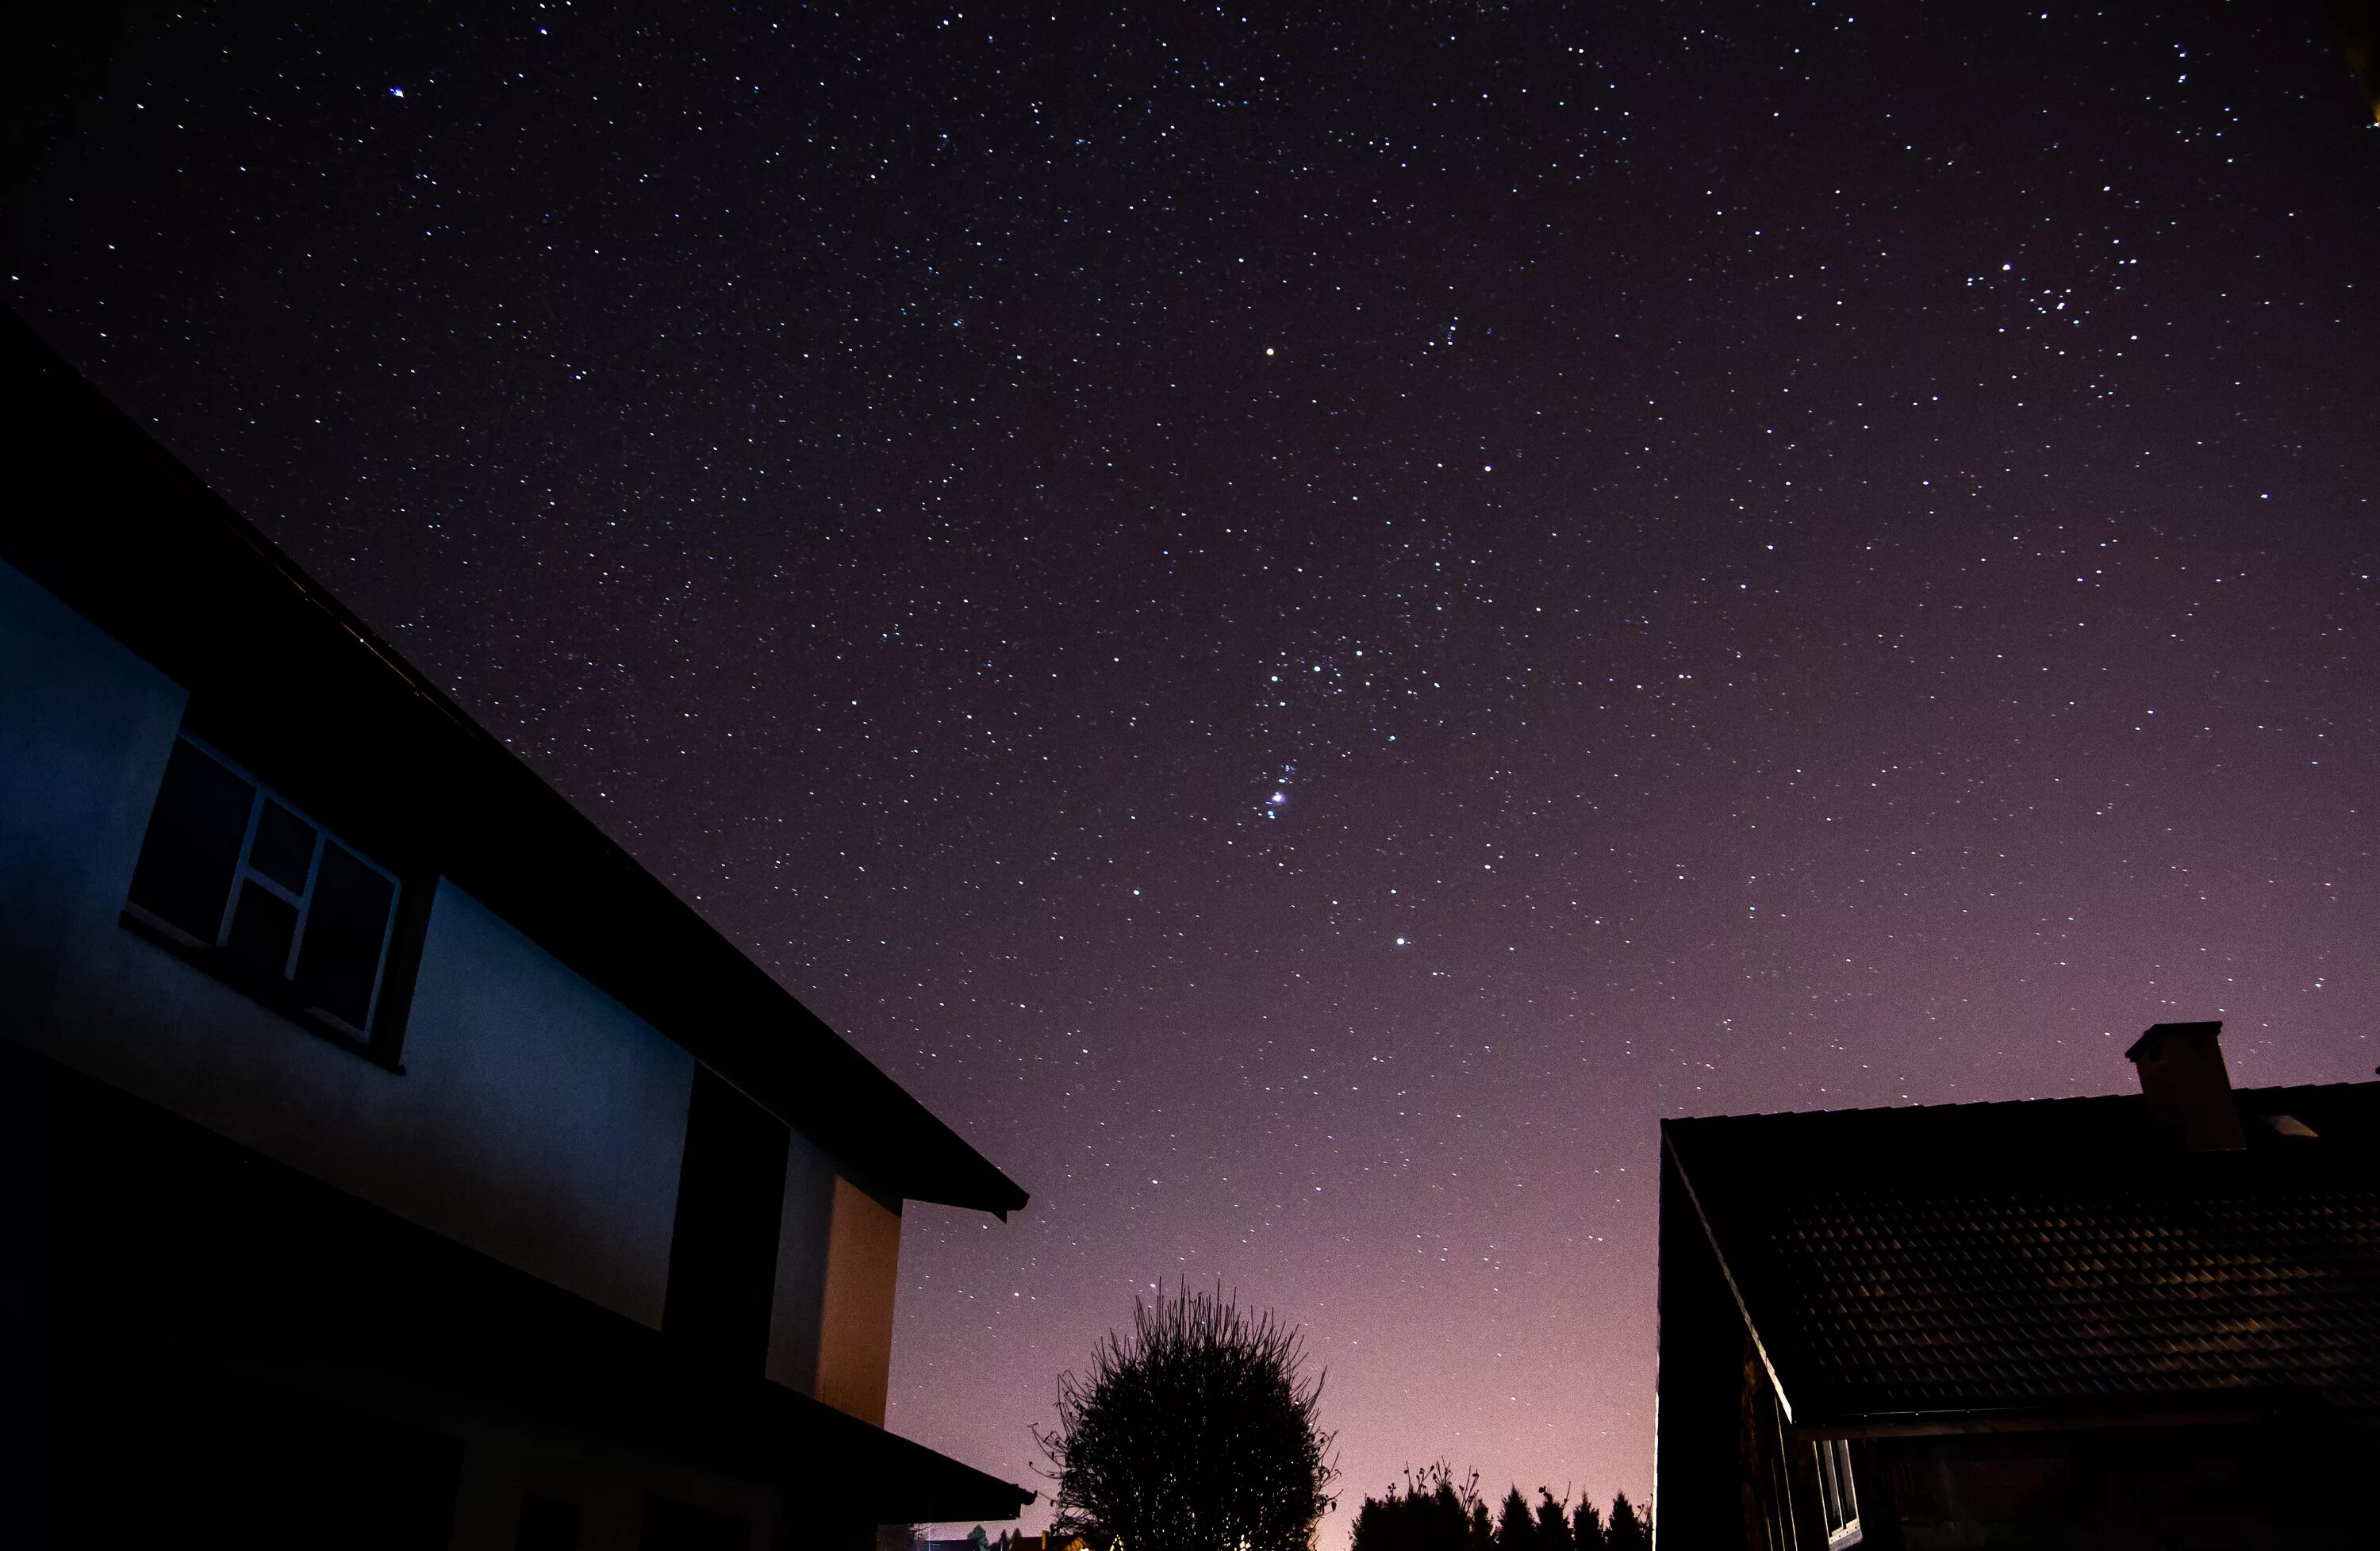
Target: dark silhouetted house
2144, 1320
1006, 1540
2356, 24
386, 1159
1045, 1541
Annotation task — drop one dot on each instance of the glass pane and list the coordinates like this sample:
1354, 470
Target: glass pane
284, 851
345, 924
186, 860
263, 927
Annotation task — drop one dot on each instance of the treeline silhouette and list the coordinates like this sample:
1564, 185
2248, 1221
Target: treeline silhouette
1430, 1511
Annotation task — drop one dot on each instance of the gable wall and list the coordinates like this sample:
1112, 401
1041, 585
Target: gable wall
536, 1119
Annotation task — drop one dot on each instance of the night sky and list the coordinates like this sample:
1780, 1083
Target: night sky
1305, 629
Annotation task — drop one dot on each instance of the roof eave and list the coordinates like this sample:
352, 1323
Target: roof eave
1734, 1290
130, 520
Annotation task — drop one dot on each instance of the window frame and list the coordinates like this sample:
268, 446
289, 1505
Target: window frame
1837, 1493
381, 1039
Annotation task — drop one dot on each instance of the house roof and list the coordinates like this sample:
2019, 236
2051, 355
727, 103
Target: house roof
2053, 1257
125, 1225
321, 705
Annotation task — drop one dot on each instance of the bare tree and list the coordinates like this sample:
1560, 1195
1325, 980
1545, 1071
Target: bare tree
1198, 1433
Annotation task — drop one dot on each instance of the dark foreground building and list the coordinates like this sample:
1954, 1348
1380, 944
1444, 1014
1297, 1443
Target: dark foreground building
2147, 1320
385, 1158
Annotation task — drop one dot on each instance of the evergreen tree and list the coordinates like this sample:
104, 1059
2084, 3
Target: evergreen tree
1553, 1523
1481, 1535
1515, 1529
1586, 1527
1431, 1513
1628, 1530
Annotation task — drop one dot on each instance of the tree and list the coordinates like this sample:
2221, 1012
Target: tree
1480, 1536
1553, 1523
1628, 1530
1586, 1527
1515, 1529
1198, 1433
1431, 1513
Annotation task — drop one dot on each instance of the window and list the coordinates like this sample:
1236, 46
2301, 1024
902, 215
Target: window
247, 885
1838, 1502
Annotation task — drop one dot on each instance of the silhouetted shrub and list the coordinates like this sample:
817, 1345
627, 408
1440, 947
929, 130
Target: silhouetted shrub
1198, 1433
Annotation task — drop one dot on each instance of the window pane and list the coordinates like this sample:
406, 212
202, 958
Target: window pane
263, 927
284, 851
186, 860
345, 924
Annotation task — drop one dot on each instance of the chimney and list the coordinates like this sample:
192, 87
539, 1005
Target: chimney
2189, 1091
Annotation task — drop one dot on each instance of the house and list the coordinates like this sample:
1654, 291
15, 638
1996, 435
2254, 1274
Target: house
2356, 25
2141, 1320
1007, 1540
386, 1159
1048, 1540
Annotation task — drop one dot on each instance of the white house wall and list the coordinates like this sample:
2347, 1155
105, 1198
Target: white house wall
563, 1114
537, 1119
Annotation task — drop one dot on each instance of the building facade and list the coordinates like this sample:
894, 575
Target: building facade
2141, 1320
390, 1159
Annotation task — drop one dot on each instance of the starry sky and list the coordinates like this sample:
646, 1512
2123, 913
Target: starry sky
1306, 627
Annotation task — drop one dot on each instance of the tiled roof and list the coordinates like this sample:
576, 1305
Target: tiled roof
2053, 1256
